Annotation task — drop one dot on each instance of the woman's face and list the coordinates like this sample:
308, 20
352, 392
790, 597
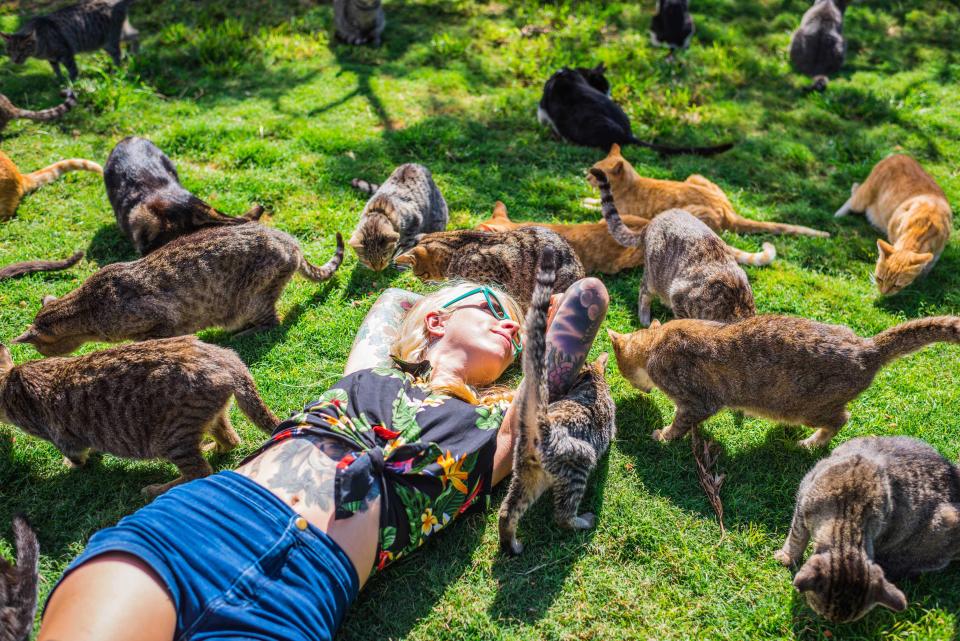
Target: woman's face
485, 341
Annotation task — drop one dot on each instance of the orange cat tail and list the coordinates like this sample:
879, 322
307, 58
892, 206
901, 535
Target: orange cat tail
757, 259
740, 224
912, 335
620, 232
32, 182
326, 270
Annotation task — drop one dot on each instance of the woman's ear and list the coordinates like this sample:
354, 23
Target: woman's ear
436, 322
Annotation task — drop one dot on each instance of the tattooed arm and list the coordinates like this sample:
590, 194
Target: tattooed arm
371, 347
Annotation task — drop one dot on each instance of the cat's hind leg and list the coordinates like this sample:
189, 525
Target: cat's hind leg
847, 207
796, 543
568, 491
527, 484
56, 69
225, 437
828, 428
71, 64
686, 418
644, 300
184, 452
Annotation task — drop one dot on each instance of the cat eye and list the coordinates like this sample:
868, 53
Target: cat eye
496, 308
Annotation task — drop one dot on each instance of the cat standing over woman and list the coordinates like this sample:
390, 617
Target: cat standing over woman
686, 264
151, 206
359, 22
9, 111
155, 399
558, 444
14, 185
408, 204
904, 202
879, 509
85, 26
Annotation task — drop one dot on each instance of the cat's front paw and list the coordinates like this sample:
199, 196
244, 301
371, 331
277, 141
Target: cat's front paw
584, 522
659, 436
783, 557
512, 547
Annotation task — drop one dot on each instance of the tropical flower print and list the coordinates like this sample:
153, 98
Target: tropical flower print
428, 522
453, 472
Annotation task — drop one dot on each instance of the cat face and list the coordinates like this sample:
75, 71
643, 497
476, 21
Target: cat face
614, 166
422, 262
631, 354
375, 242
50, 345
843, 588
897, 269
20, 46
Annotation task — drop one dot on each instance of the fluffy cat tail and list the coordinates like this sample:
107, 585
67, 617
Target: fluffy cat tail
364, 186
37, 179
326, 270
70, 99
912, 335
620, 232
21, 591
249, 401
672, 151
758, 259
33, 266
740, 224
535, 394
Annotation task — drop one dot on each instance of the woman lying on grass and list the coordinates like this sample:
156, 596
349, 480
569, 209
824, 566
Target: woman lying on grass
391, 454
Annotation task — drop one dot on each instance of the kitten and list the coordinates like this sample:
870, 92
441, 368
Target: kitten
151, 206
86, 26
558, 444
229, 277
878, 509
18, 584
579, 112
647, 197
687, 265
593, 245
34, 266
817, 47
8, 111
154, 399
359, 22
507, 258
791, 370
904, 202
672, 26
14, 185
406, 205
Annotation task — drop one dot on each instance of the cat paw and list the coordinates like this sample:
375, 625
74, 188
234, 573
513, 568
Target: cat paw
73, 463
783, 557
151, 492
513, 547
658, 436
208, 447
584, 522
853, 188
812, 443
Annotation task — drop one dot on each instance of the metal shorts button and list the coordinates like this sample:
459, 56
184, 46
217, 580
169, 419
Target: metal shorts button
301, 523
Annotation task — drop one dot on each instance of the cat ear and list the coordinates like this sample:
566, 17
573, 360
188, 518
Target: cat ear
810, 577
6, 361
405, 259
499, 210
46, 300
7, 36
617, 168
614, 150
600, 68
602, 361
889, 596
615, 338
654, 324
885, 248
921, 259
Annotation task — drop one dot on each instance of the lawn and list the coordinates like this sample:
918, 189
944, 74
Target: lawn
254, 102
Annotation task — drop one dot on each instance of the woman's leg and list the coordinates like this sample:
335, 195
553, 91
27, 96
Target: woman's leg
112, 596
570, 336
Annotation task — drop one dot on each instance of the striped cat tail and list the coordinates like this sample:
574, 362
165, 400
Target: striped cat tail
249, 401
740, 224
534, 394
620, 232
37, 179
325, 271
33, 266
912, 335
364, 186
70, 99
21, 589
757, 259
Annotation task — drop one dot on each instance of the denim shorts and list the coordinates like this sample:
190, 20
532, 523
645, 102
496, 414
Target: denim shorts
237, 561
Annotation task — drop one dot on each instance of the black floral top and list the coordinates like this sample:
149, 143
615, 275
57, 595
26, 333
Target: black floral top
430, 456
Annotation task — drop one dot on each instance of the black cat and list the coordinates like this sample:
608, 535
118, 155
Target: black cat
575, 107
673, 25
151, 205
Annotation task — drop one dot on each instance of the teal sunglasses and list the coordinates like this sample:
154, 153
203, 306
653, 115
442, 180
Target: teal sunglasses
496, 308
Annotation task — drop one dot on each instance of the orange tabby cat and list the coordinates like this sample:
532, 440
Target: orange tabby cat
14, 185
592, 243
646, 197
902, 201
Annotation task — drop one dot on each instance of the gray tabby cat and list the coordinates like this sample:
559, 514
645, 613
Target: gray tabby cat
817, 47
86, 26
878, 509
558, 444
406, 205
359, 22
155, 399
686, 264
228, 277
9, 111
507, 258
18, 584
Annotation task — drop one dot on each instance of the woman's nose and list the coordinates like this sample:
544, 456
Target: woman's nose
511, 326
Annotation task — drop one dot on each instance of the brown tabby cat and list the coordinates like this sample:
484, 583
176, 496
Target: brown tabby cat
647, 197
508, 258
786, 369
228, 277
155, 399
9, 111
14, 185
905, 203
595, 248
33, 266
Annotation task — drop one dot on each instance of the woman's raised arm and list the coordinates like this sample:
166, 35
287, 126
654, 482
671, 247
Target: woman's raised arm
371, 347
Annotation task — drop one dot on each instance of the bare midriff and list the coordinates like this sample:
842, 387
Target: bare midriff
309, 491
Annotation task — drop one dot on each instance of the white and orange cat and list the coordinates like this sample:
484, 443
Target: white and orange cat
903, 201
14, 185
635, 195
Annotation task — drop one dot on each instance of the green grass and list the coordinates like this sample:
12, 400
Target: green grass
254, 103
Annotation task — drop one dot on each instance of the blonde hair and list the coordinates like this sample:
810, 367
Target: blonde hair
413, 342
